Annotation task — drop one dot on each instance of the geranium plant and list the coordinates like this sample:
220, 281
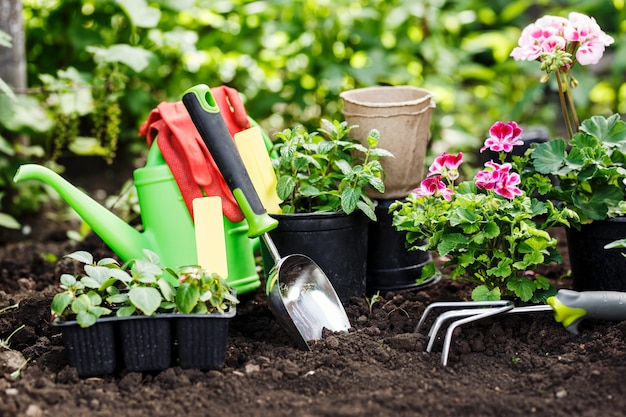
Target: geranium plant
491, 231
589, 170
558, 43
326, 170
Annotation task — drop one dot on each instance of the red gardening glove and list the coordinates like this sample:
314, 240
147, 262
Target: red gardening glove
188, 158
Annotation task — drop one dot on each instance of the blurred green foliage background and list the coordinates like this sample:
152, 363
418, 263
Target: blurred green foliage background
97, 67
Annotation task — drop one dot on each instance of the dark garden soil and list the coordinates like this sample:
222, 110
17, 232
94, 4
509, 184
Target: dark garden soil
515, 365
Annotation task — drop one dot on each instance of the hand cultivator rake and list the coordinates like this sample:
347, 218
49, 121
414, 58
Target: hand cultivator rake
569, 308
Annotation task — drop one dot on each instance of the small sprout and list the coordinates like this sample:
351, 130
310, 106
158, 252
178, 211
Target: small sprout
372, 300
4, 343
18, 372
7, 308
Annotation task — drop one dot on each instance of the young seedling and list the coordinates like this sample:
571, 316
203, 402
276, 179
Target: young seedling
372, 300
4, 343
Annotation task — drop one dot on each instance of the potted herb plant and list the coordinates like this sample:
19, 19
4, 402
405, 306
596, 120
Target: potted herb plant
150, 315
589, 169
322, 176
492, 232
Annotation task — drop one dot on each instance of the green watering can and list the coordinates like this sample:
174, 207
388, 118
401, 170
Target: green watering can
168, 227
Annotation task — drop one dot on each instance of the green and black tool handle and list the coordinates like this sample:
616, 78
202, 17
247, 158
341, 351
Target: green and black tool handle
205, 114
571, 307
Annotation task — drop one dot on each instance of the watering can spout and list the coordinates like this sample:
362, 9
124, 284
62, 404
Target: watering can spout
122, 238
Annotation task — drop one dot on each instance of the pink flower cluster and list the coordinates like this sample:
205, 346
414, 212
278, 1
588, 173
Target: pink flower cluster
497, 177
579, 35
503, 136
446, 166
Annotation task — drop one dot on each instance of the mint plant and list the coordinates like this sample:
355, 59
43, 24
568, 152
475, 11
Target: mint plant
326, 171
491, 231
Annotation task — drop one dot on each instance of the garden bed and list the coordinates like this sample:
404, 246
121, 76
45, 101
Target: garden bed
516, 365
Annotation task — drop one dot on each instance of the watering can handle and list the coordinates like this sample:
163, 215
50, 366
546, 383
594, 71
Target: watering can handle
205, 114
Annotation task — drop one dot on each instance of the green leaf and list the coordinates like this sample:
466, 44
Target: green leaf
429, 270
89, 282
596, 205
550, 156
451, 241
187, 297
85, 319
285, 186
482, 293
81, 303
503, 269
67, 280
349, 199
167, 289
146, 299
98, 273
60, 303
117, 298
126, 311
524, 288
81, 256
611, 130
367, 210
344, 166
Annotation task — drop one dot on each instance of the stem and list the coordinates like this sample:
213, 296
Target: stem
564, 107
572, 109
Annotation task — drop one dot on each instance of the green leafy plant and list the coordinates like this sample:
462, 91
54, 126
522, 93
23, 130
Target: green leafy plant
201, 291
590, 171
138, 287
84, 296
327, 172
492, 233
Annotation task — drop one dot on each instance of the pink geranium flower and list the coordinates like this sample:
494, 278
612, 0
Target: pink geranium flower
433, 186
446, 165
497, 177
558, 43
502, 137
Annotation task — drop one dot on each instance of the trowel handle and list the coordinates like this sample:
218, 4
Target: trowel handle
570, 307
205, 114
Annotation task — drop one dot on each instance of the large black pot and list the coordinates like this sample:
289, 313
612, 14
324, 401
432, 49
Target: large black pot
336, 242
390, 265
593, 267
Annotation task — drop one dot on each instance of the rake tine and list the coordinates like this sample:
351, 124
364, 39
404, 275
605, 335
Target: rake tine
487, 313
442, 304
441, 319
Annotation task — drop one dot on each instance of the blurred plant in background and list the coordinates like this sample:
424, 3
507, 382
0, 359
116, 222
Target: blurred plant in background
97, 67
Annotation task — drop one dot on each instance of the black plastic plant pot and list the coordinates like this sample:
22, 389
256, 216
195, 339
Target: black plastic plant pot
91, 350
146, 342
335, 241
390, 265
593, 267
203, 339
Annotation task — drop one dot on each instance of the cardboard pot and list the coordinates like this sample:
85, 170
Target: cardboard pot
402, 115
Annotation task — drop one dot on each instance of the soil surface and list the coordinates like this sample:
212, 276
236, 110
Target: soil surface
513, 365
